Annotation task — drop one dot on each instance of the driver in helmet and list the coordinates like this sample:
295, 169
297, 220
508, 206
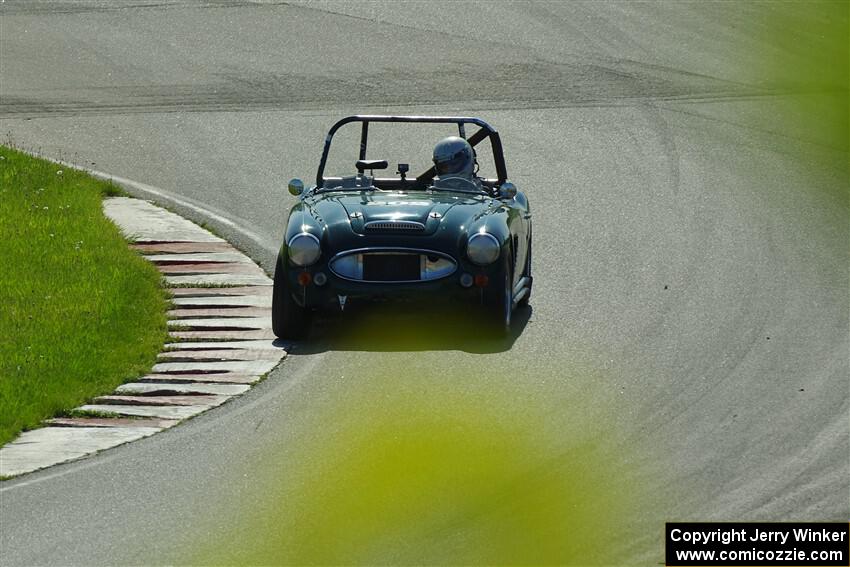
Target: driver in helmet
454, 159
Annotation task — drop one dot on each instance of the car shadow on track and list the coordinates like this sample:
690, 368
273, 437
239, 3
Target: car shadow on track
393, 327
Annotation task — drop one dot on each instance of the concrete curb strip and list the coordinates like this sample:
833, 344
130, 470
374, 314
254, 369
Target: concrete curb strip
233, 322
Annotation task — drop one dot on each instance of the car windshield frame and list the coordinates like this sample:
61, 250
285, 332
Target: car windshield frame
485, 132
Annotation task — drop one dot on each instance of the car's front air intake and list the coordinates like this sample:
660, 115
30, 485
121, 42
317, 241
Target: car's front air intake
388, 265
394, 226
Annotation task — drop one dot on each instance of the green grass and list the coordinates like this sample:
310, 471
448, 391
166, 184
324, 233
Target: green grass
80, 312
89, 414
204, 285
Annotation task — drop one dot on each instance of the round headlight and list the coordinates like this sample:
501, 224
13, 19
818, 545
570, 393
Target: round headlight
482, 248
304, 249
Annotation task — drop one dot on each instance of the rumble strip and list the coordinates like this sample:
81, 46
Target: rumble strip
224, 343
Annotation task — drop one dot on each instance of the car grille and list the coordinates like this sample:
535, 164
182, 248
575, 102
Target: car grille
394, 226
387, 265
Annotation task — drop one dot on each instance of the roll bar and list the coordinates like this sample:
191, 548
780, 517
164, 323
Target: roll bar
485, 131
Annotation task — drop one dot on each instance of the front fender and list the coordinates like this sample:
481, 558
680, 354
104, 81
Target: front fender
495, 222
300, 220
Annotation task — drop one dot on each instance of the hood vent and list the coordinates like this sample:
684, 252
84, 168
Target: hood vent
394, 226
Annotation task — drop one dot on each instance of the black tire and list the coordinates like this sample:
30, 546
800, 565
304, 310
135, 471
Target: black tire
289, 320
527, 273
500, 296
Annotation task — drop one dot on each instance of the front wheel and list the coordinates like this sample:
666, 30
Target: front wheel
289, 320
527, 273
500, 300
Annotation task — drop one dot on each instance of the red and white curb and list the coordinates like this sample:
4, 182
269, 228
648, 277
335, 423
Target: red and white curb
224, 343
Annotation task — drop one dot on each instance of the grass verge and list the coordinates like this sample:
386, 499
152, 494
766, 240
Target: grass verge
80, 312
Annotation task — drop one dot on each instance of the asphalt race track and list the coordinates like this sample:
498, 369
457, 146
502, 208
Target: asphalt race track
690, 253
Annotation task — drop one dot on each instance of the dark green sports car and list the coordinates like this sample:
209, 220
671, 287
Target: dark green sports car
446, 232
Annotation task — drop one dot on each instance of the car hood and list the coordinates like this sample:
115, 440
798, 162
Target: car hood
432, 209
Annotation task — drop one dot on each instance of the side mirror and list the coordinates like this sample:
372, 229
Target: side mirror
507, 190
296, 187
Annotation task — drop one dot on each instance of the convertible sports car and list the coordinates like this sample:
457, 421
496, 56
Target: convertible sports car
444, 233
